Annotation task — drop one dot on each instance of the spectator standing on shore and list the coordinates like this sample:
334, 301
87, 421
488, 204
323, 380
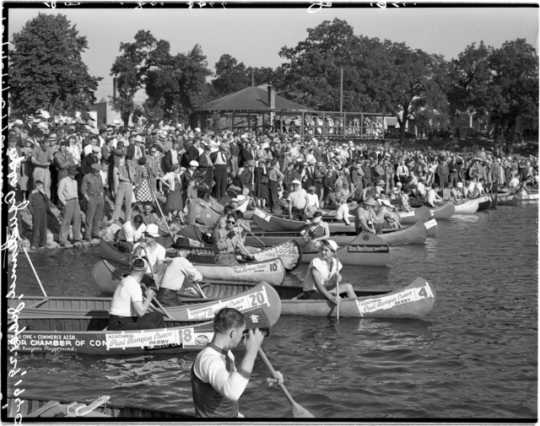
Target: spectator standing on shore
38, 206
68, 197
42, 157
92, 191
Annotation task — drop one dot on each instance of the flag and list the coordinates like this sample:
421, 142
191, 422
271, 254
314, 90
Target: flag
143, 192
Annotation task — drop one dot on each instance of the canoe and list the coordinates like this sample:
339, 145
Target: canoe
413, 302
526, 196
49, 335
269, 222
506, 199
424, 213
443, 212
35, 406
364, 250
271, 271
484, 202
467, 207
416, 234
288, 252
84, 313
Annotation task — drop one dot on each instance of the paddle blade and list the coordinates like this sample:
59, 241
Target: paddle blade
300, 412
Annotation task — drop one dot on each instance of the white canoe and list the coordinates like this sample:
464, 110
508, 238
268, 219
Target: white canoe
467, 207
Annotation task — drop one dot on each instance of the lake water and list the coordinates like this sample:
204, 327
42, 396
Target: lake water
475, 355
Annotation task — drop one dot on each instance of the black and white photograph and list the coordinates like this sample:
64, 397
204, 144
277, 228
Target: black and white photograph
259, 211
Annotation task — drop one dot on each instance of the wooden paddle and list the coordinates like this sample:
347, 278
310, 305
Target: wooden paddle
297, 410
337, 298
35, 273
256, 238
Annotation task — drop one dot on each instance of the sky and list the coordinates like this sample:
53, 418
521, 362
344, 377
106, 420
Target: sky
256, 36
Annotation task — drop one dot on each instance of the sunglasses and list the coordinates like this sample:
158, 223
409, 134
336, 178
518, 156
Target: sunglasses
231, 221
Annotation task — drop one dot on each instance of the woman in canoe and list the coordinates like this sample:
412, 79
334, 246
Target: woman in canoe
229, 242
323, 275
317, 229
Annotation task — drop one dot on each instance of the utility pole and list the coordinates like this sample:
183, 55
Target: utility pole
341, 90
252, 78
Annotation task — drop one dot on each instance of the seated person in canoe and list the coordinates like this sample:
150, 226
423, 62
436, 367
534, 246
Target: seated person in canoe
132, 231
365, 216
228, 242
323, 275
387, 217
216, 382
171, 276
149, 249
316, 230
400, 198
312, 203
129, 310
432, 197
242, 225
297, 201
458, 192
343, 212
475, 188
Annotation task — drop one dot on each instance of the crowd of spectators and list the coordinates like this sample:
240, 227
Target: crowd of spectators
116, 172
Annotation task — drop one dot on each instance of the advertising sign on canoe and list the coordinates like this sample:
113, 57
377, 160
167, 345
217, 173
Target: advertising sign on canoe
242, 303
384, 303
142, 339
58, 342
251, 268
430, 224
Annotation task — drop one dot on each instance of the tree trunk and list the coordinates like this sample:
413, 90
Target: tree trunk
125, 117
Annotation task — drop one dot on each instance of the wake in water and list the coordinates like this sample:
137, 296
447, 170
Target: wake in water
470, 218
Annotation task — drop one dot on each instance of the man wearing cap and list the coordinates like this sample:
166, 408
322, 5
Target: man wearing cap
129, 311
92, 191
149, 249
63, 159
69, 198
317, 229
122, 179
216, 382
364, 218
323, 276
42, 157
297, 201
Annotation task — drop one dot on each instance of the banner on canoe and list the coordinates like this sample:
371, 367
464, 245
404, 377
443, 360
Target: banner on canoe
430, 224
384, 303
242, 303
142, 339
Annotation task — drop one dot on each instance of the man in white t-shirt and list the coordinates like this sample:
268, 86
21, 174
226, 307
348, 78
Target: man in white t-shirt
297, 201
171, 279
133, 229
129, 310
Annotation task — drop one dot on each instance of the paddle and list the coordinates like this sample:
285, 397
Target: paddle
35, 273
337, 298
161, 211
297, 410
256, 238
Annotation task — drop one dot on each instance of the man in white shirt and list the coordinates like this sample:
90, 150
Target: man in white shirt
129, 311
171, 276
297, 201
216, 383
150, 249
132, 232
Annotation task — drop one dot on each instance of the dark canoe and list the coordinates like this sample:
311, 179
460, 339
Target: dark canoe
269, 222
364, 250
484, 203
416, 234
50, 334
271, 270
412, 302
87, 310
506, 199
28, 405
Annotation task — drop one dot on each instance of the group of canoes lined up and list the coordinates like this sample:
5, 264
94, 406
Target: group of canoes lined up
258, 289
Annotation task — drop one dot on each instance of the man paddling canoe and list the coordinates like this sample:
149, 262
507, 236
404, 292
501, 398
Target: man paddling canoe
365, 216
216, 383
128, 309
323, 275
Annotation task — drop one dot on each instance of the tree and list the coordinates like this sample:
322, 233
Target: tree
470, 76
177, 85
46, 70
231, 75
130, 68
513, 89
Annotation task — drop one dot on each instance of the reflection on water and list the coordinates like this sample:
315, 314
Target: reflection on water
474, 356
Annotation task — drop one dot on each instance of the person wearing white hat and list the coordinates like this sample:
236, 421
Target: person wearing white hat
149, 249
324, 275
298, 199
364, 218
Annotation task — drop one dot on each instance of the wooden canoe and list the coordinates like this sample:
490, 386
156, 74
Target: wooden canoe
414, 302
271, 271
269, 222
29, 405
288, 252
416, 234
364, 250
484, 202
467, 207
527, 196
77, 313
424, 213
49, 335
